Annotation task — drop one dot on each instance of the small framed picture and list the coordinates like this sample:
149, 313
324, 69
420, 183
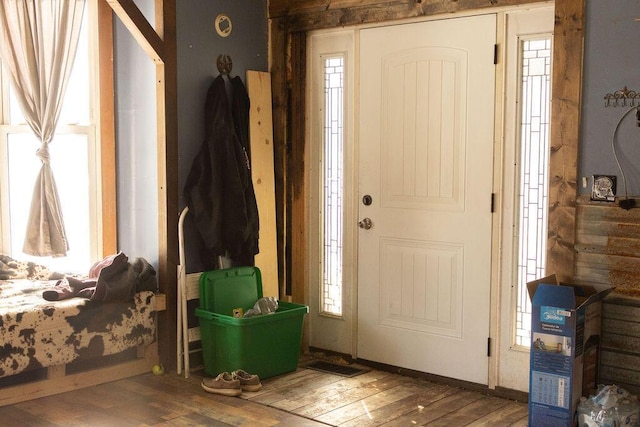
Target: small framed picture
604, 188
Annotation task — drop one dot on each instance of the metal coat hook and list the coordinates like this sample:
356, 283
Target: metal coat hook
225, 64
622, 98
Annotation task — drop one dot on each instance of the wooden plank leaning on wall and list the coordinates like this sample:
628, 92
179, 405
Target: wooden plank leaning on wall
261, 139
289, 22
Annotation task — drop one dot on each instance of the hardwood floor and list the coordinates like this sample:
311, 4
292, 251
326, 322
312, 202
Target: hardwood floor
302, 398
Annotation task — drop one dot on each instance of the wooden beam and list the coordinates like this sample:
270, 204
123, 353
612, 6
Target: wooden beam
107, 129
168, 212
317, 14
139, 28
278, 67
297, 239
565, 134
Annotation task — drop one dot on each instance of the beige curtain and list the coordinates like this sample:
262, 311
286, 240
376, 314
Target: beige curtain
38, 41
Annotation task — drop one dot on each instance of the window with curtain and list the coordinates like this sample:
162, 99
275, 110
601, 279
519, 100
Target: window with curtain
74, 160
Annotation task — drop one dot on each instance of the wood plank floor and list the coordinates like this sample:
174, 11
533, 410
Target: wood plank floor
302, 398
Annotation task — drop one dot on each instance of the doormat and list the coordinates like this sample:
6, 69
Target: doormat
333, 368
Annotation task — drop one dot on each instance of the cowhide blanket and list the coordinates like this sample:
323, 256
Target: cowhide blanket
14, 269
37, 333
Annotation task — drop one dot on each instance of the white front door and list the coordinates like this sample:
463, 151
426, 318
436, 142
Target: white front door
425, 138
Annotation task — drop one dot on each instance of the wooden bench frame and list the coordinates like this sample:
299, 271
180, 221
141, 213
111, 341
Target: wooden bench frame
58, 381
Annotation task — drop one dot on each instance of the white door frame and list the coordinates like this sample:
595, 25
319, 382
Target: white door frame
498, 256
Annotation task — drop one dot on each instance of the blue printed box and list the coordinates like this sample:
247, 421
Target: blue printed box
565, 335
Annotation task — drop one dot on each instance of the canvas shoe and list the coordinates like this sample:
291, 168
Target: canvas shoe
224, 383
248, 382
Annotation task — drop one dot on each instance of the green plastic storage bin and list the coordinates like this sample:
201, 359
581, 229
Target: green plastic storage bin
266, 345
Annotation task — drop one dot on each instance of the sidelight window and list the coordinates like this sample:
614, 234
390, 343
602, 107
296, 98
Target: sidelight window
534, 99
333, 188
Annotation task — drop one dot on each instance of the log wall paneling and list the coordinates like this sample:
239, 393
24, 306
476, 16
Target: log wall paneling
620, 344
607, 246
607, 253
565, 134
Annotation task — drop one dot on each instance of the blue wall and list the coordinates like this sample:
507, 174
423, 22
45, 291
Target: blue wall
136, 141
198, 46
611, 62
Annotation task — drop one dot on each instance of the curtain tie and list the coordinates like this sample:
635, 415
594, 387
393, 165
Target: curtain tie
43, 153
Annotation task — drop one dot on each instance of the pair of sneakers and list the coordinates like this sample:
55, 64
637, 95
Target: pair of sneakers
232, 384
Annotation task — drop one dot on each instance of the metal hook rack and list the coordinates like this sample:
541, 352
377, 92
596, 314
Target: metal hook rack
622, 98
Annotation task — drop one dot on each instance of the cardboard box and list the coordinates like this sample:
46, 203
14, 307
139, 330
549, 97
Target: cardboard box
565, 336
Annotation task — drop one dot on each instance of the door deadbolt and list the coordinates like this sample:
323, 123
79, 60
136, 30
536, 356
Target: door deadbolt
367, 200
365, 224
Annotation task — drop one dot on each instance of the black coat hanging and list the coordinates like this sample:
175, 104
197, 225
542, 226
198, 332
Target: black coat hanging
219, 190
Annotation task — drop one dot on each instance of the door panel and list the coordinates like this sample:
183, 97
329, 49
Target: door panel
421, 106
425, 157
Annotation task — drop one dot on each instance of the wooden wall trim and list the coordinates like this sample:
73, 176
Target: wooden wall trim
296, 170
107, 130
565, 133
278, 67
168, 210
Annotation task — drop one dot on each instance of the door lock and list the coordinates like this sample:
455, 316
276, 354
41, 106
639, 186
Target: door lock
365, 224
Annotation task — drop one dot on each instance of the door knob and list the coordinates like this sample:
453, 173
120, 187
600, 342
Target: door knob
365, 223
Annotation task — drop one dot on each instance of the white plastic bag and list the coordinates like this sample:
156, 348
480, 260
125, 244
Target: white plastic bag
266, 305
612, 406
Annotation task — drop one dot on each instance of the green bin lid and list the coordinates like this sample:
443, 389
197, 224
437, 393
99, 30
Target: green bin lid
221, 291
